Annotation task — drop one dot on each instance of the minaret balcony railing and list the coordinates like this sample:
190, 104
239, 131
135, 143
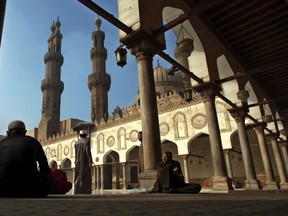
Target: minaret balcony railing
94, 81
54, 57
96, 52
49, 84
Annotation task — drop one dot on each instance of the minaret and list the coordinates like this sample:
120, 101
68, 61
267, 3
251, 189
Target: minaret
52, 86
99, 81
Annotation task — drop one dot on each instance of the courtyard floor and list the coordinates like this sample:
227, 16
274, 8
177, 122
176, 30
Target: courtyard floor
124, 203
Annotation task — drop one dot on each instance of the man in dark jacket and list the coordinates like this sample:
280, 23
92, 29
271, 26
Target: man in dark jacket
19, 174
83, 164
170, 177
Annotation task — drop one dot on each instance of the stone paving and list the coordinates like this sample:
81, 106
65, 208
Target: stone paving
246, 204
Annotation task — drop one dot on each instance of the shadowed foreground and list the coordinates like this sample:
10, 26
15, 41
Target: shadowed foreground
273, 203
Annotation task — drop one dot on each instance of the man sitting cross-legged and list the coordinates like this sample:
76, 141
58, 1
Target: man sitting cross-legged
170, 177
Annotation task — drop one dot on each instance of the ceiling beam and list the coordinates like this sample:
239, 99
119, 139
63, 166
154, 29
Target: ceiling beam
285, 97
270, 66
201, 7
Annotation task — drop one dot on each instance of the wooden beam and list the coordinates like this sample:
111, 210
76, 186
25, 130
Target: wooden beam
201, 7
227, 79
103, 13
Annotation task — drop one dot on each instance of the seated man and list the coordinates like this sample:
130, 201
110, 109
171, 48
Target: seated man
19, 157
61, 184
170, 177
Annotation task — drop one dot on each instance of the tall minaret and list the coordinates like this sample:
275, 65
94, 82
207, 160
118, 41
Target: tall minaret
99, 81
52, 86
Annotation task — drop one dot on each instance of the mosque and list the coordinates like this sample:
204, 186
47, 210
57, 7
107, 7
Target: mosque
216, 142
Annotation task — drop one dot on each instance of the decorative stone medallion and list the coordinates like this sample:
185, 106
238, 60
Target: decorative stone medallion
164, 129
66, 150
199, 121
110, 141
133, 136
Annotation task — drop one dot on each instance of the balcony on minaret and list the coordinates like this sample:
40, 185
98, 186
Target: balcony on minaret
53, 56
96, 52
49, 84
94, 81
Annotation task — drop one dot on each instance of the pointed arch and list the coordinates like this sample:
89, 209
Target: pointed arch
53, 164
230, 88
255, 112
197, 59
168, 145
110, 157
200, 159
66, 163
112, 171
132, 153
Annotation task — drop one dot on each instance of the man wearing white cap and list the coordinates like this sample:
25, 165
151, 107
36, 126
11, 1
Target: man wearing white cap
83, 164
19, 155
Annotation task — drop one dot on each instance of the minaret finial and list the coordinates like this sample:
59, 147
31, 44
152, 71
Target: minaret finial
52, 28
98, 22
58, 23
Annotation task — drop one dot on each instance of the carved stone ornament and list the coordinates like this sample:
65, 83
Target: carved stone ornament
164, 129
199, 121
53, 153
66, 150
110, 141
133, 136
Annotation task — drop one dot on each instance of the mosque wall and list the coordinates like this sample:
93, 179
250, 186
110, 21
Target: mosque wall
181, 127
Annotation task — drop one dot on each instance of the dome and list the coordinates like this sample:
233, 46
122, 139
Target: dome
165, 83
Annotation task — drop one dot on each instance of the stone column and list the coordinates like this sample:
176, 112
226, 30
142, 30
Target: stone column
117, 174
221, 182
144, 52
73, 179
97, 178
283, 179
270, 179
228, 163
186, 170
124, 175
101, 177
251, 182
283, 145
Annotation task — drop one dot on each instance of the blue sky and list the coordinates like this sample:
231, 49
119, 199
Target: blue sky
24, 44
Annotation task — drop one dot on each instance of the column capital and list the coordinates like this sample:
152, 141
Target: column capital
258, 127
227, 151
272, 136
143, 49
185, 157
207, 90
238, 113
283, 142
